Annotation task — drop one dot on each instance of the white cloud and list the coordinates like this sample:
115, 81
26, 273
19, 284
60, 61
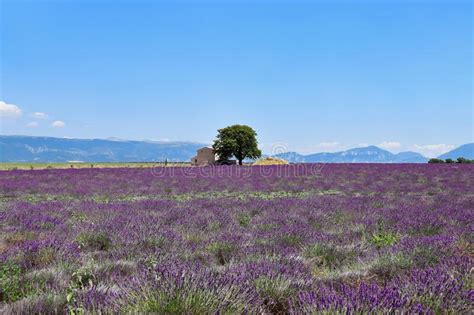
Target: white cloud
32, 124
39, 115
362, 145
433, 150
390, 145
58, 124
9, 110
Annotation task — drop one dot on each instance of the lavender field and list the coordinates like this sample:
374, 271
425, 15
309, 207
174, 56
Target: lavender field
257, 240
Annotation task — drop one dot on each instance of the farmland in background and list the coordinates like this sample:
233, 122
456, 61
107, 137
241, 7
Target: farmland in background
11, 166
272, 239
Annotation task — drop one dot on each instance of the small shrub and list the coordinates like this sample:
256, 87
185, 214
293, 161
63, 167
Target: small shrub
78, 217
422, 180
435, 161
339, 218
94, 241
189, 300
378, 204
389, 266
462, 160
466, 243
10, 282
261, 241
19, 237
47, 225
255, 211
383, 239
82, 278
214, 226
291, 240
275, 293
45, 278
244, 219
425, 256
42, 257
328, 256
153, 243
193, 238
221, 251
120, 268
43, 304
427, 230
189, 295
197, 302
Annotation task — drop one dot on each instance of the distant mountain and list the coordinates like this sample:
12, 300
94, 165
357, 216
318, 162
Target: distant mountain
371, 154
46, 149
465, 151
292, 157
410, 157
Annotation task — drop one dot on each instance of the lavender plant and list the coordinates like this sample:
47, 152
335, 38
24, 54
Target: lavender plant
286, 239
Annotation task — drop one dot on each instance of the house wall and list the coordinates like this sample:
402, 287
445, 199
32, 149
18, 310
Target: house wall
204, 157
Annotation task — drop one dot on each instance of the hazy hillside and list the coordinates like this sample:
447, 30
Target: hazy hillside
371, 154
46, 149
465, 151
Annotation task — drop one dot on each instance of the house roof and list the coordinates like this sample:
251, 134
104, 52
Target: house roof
206, 148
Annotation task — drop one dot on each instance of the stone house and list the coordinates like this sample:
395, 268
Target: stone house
205, 156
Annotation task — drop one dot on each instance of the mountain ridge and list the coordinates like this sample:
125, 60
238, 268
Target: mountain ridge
18, 148
465, 151
51, 149
370, 154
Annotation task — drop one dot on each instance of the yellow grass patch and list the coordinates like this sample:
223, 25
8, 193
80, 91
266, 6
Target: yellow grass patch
271, 161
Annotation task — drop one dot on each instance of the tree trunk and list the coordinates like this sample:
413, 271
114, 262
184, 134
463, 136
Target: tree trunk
240, 162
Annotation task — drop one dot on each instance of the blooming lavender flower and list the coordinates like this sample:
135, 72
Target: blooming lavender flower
278, 239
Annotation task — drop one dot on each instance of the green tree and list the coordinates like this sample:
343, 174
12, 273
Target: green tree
239, 141
436, 161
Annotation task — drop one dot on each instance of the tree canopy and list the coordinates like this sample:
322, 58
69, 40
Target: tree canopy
460, 160
239, 141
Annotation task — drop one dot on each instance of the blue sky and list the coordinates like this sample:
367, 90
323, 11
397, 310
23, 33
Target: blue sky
308, 76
